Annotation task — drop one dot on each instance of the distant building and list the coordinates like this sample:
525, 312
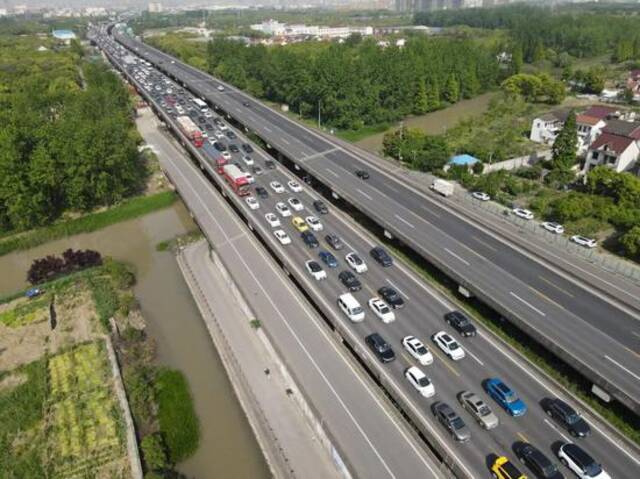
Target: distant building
3, 12
64, 35
412, 6
155, 7
277, 29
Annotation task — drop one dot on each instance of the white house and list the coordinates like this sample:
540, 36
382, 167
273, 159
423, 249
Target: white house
545, 128
617, 152
589, 128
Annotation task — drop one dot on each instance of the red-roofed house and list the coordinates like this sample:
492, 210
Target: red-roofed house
589, 128
602, 112
615, 151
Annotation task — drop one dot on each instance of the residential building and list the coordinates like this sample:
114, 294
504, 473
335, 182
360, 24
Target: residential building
623, 128
545, 128
63, 35
615, 151
277, 29
589, 128
155, 7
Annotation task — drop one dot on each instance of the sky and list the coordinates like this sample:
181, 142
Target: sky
144, 3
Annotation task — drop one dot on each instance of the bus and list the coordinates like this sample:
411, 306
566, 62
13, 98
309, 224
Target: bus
201, 105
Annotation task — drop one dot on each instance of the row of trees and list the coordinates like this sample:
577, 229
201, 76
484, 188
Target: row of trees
67, 139
352, 84
49, 267
535, 88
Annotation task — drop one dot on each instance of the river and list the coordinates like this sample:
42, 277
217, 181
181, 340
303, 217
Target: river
228, 448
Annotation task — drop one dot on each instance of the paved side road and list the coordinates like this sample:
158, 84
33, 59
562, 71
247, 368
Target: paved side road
292, 449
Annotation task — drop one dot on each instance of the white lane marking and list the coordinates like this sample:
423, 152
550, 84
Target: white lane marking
332, 172
404, 221
635, 334
556, 429
285, 141
364, 194
395, 190
266, 128
541, 313
396, 288
622, 367
475, 357
430, 211
456, 256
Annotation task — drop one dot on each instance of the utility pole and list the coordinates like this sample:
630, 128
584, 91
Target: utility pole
319, 106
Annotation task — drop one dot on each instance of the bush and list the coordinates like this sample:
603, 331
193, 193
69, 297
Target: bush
50, 266
153, 452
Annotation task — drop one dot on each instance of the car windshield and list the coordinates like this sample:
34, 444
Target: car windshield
423, 381
457, 423
421, 350
453, 346
356, 310
593, 469
314, 267
384, 309
549, 470
392, 295
356, 259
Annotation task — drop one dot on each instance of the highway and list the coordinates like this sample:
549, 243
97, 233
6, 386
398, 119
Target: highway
588, 332
422, 317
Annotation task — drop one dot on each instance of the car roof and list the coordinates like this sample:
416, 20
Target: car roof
578, 453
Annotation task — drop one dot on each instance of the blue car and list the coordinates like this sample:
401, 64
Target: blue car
328, 259
505, 396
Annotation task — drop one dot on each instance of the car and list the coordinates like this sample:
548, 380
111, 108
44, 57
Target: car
380, 347
220, 88
252, 203
226, 155
248, 160
320, 207
474, 405
296, 204
328, 259
334, 241
584, 241
276, 187
299, 224
247, 148
272, 219
218, 134
460, 323
208, 114
479, 195
451, 421
250, 179
522, 213
315, 270
349, 279
391, 297
270, 164
418, 350
448, 345
566, 416
282, 237
382, 310
580, 462
362, 174
246, 103
420, 381
231, 135
505, 397
257, 170
233, 148
211, 140
556, 228
262, 192
294, 186
356, 263
503, 468
379, 254
314, 223
350, 307
283, 209
219, 146
309, 239
201, 119
536, 461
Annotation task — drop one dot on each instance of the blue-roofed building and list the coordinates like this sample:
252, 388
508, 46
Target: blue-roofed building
64, 35
465, 159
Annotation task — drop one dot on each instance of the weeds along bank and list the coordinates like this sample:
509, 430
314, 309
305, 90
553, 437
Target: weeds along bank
59, 416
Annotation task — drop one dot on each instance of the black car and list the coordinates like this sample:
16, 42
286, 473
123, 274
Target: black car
247, 148
460, 323
270, 164
451, 421
309, 239
256, 170
219, 146
320, 207
535, 460
208, 127
380, 347
201, 119
350, 281
262, 192
381, 256
566, 416
231, 135
334, 241
246, 103
362, 174
234, 148
391, 297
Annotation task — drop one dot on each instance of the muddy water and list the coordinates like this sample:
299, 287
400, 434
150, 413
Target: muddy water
435, 122
228, 448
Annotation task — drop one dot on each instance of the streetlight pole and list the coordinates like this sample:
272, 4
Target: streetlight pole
319, 106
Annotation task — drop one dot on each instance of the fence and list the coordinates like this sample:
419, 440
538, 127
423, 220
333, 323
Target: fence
515, 163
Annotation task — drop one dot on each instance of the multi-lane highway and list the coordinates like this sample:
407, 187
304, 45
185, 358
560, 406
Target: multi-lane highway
422, 317
583, 328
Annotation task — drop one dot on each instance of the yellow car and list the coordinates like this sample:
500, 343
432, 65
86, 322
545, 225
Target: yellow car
503, 468
299, 224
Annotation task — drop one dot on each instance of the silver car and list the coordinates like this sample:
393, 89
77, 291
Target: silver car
451, 421
475, 406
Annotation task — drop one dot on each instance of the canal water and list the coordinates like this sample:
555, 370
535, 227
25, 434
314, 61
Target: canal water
228, 448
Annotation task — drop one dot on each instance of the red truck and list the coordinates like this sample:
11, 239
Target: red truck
191, 131
236, 179
219, 163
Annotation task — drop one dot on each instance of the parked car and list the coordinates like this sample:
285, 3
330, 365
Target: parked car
522, 213
505, 397
334, 241
584, 241
448, 345
556, 228
460, 323
379, 254
380, 347
382, 310
474, 405
537, 462
320, 207
479, 195
418, 350
580, 462
391, 297
315, 270
420, 381
349, 279
566, 416
451, 421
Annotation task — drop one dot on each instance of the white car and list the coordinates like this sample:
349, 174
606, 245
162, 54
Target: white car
276, 187
418, 350
315, 270
220, 88
248, 160
211, 140
314, 223
226, 155
448, 345
522, 213
420, 381
208, 114
252, 203
556, 228
282, 237
584, 241
250, 178
296, 204
479, 195
356, 263
272, 219
219, 135
294, 186
283, 209
382, 310
580, 462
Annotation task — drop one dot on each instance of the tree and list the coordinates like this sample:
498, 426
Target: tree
594, 80
516, 60
421, 102
434, 154
153, 452
565, 145
523, 84
631, 242
433, 96
626, 96
451, 91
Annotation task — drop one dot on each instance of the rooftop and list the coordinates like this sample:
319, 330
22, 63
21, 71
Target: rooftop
463, 160
611, 142
600, 111
587, 120
623, 128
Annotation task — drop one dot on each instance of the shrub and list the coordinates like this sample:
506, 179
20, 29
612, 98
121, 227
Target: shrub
153, 452
46, 268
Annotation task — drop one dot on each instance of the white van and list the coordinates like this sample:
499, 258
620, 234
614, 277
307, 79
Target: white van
350, 307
